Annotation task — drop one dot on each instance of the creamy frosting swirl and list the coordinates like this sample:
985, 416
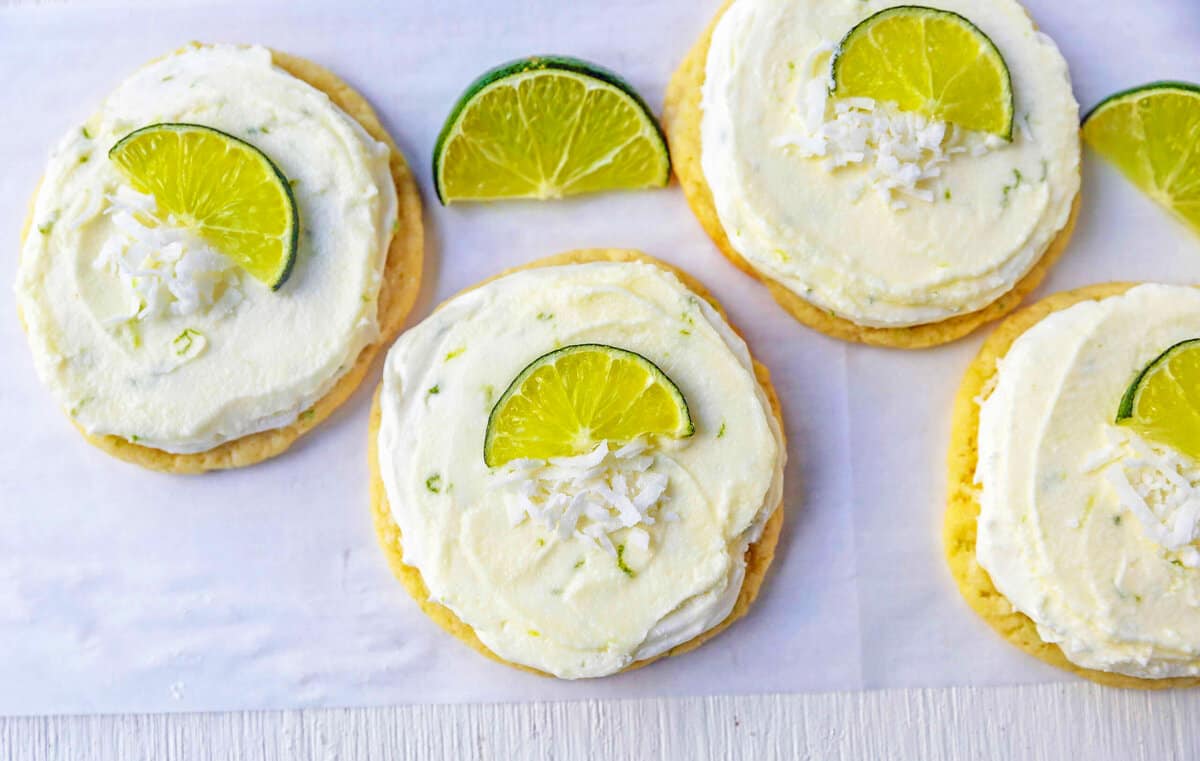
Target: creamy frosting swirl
193, 369
859, 254
1085, 528
562, 603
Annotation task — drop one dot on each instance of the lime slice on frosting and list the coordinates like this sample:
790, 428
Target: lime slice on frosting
930, 61
1152, 134
566, 402
1163, 402
222, 187
548, 127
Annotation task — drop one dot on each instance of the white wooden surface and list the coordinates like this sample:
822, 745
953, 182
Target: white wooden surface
1031, 723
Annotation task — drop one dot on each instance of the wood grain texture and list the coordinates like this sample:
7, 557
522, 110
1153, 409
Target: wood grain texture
1031, 723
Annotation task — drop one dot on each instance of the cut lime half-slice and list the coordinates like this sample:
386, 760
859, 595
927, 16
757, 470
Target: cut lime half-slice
547, 127
566, 402
224, 188
1152, 135
1163, 402
931, 61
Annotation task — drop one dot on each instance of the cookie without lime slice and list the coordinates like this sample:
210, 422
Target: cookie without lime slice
565, 402
1152, 134
930, 61
224, 188
548, 127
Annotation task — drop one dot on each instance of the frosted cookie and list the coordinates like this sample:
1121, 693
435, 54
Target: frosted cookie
577, 467
213, 258
1073, 524
865, 221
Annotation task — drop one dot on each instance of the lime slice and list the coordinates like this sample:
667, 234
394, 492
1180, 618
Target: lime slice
548, 127
225, 189
568, 401
930, 61
1152, 133
1163, 402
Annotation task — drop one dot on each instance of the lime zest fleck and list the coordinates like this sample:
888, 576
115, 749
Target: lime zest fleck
86, 133
456, 353
578, 563
183, 342
1016, 183
79, 405
625, 569
1117, 520
434, 483
434, 389
308, 414
543, 316
45, 227
541, 542
721, 432
132, 331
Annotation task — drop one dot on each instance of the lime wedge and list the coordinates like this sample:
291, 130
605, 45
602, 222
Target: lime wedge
1152, 134
930, 61
1163, 402
225, 189
548, 127
566, 402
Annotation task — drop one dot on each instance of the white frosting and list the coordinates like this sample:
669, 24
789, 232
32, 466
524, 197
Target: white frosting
253, 359
809, 225
1084, 527
558, 601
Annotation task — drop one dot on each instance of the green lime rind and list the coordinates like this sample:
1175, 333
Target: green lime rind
863, 26
1140, 90
576, 66
294, 236
687, 430
1129, 399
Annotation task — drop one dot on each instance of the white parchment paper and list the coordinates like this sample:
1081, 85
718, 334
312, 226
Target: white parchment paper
124, 590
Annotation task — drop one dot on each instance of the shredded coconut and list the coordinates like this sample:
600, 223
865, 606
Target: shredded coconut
591, 496
167, 269
903, 152
1161, 487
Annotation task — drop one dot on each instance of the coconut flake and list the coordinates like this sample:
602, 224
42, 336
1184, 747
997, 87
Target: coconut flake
901, 151
167, 269
1161, 487
591, 496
